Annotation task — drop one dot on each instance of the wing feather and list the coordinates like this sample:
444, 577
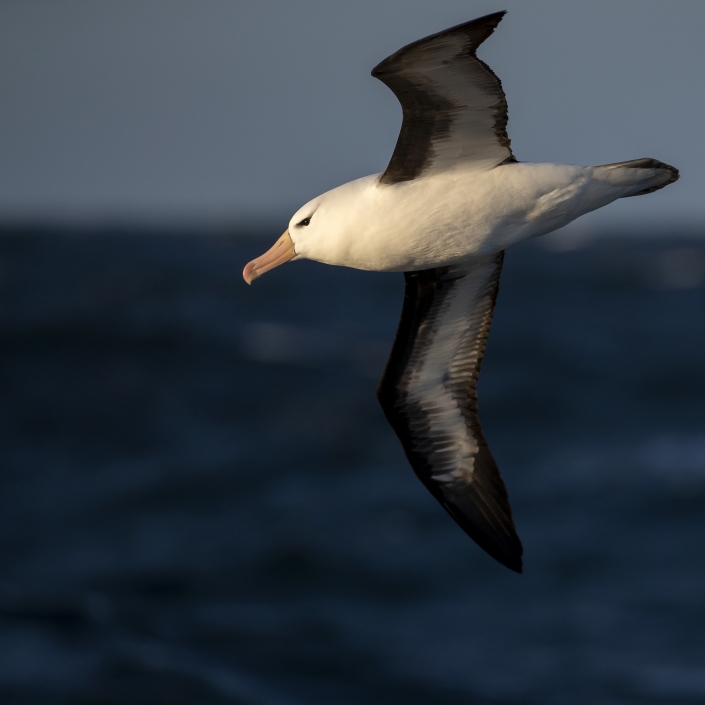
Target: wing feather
429, 395
454, 108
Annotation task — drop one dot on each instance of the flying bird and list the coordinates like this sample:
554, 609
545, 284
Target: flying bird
451, 200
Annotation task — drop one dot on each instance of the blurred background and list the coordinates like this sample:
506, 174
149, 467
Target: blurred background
201, 499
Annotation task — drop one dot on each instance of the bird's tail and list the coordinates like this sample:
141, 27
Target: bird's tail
644, 175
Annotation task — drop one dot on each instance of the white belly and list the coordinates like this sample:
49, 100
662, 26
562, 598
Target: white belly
450, 217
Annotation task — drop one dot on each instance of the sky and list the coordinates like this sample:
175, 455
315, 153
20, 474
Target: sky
213, 111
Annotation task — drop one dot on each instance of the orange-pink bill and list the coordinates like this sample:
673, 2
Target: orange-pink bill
282, 251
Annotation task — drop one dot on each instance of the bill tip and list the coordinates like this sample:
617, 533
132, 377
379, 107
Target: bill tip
250, 273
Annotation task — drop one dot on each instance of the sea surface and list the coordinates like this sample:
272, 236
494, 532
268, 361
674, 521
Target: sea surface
201, 501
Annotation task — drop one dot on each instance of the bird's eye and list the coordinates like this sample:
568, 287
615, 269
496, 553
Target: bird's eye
305, 221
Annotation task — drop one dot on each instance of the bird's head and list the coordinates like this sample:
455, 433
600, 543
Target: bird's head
303, 228
326, 229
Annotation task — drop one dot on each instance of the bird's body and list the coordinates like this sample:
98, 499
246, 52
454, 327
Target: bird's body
451, 200
454, 215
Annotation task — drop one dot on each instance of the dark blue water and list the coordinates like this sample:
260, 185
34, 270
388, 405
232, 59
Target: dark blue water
202, 502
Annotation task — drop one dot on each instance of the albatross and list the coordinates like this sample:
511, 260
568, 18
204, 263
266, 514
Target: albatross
451, 200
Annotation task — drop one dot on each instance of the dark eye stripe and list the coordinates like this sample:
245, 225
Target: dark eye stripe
305, 221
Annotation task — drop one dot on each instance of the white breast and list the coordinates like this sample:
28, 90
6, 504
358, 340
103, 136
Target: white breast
449, 217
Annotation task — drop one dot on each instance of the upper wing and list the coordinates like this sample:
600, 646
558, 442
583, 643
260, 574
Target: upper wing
428, 393
454, 107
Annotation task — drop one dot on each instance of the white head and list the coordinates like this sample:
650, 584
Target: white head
326, 229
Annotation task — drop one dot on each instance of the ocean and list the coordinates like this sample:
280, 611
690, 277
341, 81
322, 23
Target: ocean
203, 503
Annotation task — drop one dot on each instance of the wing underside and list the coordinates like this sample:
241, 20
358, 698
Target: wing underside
428, 393
454, 108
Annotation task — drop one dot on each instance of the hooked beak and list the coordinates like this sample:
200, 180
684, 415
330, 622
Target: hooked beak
282, 251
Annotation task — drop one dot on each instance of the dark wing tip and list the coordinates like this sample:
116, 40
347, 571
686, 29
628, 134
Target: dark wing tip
486, 518
477, 31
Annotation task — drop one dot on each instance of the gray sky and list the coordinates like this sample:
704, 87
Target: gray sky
213, 110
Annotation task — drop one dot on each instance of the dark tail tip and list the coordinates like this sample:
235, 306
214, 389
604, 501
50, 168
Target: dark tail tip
648, 163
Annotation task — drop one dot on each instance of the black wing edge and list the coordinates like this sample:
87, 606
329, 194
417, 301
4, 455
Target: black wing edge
477, 31
482, 508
